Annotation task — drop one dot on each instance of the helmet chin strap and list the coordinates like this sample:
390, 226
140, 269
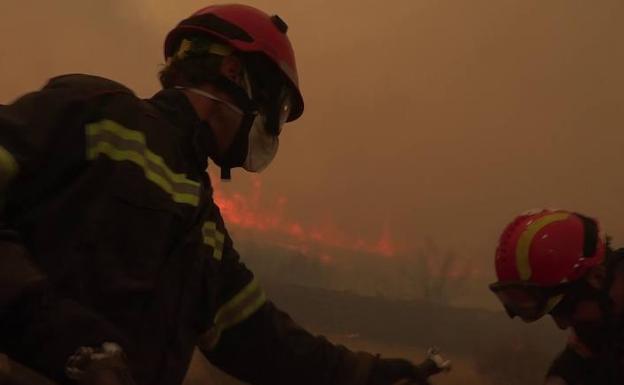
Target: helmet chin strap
226, 173
237, 152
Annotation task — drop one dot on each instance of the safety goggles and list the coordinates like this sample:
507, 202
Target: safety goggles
527, 300
232, 107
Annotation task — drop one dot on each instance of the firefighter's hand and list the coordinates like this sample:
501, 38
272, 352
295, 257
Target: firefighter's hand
403, 372
105, 365
434, 363
397, 372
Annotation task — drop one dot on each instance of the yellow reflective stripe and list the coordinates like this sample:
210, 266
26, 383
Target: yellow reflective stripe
526, 239
238, 309
121, 144
210, 241
116, 128
552, 302
186, 46
213, 238
216, 240
137, 136
8, 167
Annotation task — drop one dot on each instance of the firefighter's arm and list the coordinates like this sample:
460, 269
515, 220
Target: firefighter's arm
268, 347
253, 340
37, 326
27, 140
26, 137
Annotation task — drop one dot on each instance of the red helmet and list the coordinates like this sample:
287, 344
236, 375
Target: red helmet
539, 254
247, 29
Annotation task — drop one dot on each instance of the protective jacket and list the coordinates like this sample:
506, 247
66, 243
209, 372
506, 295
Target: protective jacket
575, 369
577, 365
108, 207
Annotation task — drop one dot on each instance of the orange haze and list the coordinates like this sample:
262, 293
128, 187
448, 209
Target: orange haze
424, 118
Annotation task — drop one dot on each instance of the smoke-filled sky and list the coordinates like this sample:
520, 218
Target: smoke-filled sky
424, 118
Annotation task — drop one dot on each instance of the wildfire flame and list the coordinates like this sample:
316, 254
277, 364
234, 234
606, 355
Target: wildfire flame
250, 212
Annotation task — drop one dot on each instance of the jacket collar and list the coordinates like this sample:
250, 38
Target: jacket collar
195, 136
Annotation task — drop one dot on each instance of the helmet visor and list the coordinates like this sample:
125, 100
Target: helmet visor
270, 91
279, 111
526, 300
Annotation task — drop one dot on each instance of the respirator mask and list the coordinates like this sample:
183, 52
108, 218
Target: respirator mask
257, 114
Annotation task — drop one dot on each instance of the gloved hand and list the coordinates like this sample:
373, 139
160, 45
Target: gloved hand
105, 365
434, 363
402, 372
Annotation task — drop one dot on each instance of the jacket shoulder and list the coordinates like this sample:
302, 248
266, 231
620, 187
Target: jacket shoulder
87, 84
571, 367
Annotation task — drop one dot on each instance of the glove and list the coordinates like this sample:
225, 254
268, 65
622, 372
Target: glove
434, 363
391, 371
403, 372
99, 366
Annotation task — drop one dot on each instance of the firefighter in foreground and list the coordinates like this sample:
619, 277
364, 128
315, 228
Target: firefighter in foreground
114, 261
557, 262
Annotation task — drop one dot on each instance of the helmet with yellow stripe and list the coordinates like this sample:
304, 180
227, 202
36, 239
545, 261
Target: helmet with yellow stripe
540, 255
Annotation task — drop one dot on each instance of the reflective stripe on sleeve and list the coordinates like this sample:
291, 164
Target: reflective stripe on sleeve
213, 238
8, 167
118, 143
237, 310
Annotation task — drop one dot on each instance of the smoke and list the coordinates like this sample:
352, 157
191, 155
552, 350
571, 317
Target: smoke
44, 39
425, 119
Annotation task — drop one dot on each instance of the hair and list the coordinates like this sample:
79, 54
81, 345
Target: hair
193, 65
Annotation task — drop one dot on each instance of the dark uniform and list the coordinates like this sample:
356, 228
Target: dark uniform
577, 370
108, 194
606, 368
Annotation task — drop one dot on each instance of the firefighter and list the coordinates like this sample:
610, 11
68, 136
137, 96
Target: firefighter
115, 262
557, 262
